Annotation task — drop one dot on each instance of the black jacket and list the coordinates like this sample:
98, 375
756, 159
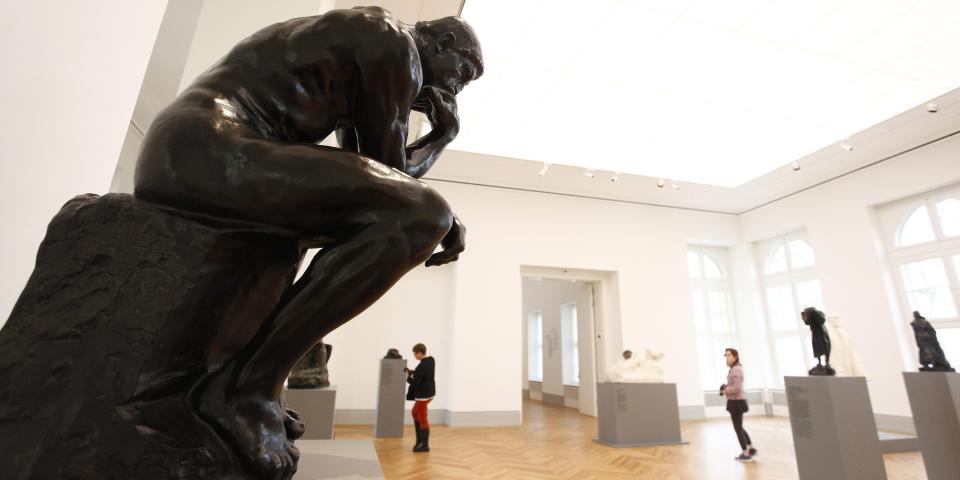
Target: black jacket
421, 380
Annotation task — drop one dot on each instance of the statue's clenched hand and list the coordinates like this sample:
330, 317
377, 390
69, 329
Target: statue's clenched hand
453, 244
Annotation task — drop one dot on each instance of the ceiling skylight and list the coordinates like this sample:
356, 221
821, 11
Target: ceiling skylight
714, 92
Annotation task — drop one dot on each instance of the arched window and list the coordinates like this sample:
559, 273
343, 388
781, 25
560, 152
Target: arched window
790, 284
915, 228
713, 310
923, 237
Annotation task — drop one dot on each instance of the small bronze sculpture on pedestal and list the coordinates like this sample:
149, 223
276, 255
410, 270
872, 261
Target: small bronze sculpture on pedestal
311, 370
932, 358
816, 320
393, 353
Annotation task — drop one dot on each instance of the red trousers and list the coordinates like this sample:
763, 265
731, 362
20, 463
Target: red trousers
419, 413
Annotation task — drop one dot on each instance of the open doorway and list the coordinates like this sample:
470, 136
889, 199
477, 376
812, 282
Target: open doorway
563, 343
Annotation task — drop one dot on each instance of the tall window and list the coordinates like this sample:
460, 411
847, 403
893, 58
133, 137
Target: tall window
923, 236
535, 346
713, 311
571, 344
790, 285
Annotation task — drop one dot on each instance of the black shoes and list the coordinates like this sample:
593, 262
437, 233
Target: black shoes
753, 451
743, 458
416, 426
424, 444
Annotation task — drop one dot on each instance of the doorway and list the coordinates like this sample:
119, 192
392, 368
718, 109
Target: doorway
563, 342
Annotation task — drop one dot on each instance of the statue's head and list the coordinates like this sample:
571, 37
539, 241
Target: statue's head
450, 53
811, 315
654, 356
627, 354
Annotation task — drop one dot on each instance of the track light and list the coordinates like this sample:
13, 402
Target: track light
932, 107
616, 175
660, 183
674, 185
588, 173
544, 168
795, 166
844, 144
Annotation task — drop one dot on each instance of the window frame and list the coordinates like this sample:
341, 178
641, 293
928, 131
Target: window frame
942, 247
790, 277
705, 286
570, 359
535, 345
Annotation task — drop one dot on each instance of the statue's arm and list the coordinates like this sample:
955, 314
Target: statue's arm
386, 96
348, 140
445, 124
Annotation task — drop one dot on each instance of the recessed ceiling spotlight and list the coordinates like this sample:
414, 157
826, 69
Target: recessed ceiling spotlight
675, 185
844, 144
660, 183
588, 173
543, 170
932, 107
795, 166
616, 175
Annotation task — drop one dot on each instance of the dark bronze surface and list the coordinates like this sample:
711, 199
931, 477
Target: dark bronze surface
816, 320
154, 336
932, 358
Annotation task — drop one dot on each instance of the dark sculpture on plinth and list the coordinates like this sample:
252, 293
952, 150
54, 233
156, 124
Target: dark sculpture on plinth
154, 336
393, 353
932, 358
816, 320
311, 370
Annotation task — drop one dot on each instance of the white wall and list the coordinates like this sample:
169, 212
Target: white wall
72, 71
417, 310
645, 245
840, 222
547, 296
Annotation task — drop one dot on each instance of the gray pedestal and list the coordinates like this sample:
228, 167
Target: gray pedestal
638, 414
391, 398
834, 430
316, 407
935, 402
338, 459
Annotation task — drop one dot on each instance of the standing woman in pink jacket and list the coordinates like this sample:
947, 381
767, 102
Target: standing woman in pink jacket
737, 402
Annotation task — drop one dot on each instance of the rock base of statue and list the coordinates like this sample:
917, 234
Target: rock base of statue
128, 312
935, 403
638, 414
316, 407
822, 371
834, 430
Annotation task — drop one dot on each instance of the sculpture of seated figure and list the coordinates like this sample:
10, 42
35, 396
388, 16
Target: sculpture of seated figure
311, 370
932, 358
637, 370
816, 320
234, 160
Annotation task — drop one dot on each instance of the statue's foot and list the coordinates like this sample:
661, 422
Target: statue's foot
256, 429
292, 424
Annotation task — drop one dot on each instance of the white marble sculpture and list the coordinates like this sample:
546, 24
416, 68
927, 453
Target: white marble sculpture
638, 370
842, 357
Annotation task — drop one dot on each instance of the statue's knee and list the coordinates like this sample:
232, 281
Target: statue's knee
430, 219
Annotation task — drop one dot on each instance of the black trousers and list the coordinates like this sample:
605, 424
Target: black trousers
737, 408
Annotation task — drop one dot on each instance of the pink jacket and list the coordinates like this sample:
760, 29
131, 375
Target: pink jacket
734, 390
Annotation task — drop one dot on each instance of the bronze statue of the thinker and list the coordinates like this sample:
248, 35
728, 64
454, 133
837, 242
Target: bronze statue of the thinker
230, 189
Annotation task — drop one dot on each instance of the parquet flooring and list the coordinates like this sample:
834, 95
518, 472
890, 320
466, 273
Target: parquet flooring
557, 443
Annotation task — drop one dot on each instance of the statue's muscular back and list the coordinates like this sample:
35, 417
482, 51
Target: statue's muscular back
294, 82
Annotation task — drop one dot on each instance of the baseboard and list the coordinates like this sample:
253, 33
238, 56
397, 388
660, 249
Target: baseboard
895, 423
485, 419
553, 399
692, 412
368, 416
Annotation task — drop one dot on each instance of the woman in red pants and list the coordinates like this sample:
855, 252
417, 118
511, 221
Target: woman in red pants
422, 389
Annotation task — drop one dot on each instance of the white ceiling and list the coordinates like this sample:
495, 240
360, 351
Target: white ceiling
712, 92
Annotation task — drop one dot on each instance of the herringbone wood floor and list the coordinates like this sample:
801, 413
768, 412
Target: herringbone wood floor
557, 443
